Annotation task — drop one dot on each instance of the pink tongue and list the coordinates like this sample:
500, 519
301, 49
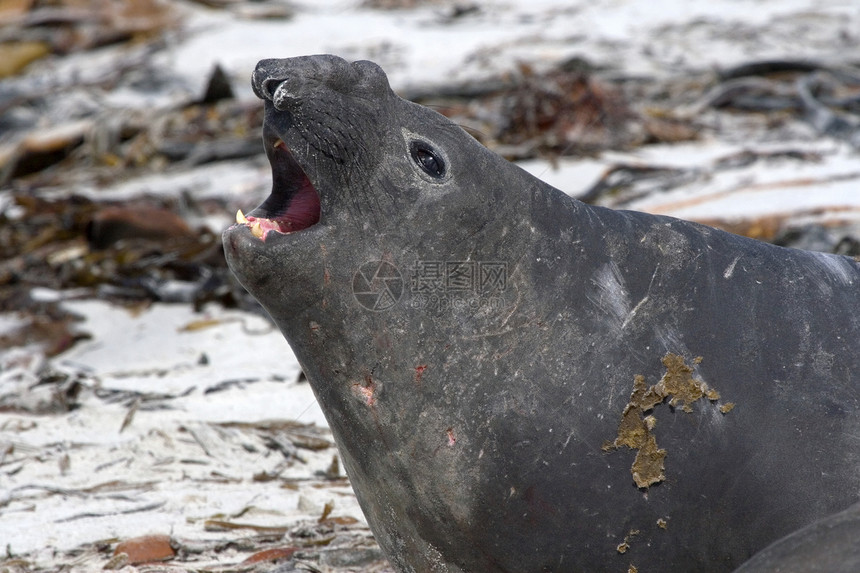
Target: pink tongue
304, 211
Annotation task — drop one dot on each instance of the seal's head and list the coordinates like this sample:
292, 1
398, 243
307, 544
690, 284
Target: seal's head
352, 163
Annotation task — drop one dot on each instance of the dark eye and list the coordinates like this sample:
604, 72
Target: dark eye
427, 159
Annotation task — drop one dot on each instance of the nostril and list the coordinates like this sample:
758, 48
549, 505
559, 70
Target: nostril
270, 86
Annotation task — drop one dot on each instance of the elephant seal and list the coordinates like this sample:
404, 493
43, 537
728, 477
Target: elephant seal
519, 382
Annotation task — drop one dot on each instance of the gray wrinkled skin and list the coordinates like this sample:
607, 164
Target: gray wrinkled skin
472, 425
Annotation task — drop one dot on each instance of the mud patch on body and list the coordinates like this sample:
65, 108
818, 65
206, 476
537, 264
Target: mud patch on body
635, 430
625, 545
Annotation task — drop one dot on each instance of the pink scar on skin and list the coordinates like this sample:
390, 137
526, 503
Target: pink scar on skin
419, 371
366, 390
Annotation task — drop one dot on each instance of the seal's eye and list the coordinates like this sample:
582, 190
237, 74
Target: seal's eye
427, 159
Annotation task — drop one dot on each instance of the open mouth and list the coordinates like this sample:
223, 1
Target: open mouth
294, 203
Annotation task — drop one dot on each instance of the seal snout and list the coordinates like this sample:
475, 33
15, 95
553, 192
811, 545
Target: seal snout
268, 75
272, 88
285, 82
269, 82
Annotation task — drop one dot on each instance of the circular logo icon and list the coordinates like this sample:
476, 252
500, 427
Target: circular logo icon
377, 285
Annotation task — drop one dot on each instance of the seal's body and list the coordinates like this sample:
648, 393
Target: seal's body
829, 545
517, 381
